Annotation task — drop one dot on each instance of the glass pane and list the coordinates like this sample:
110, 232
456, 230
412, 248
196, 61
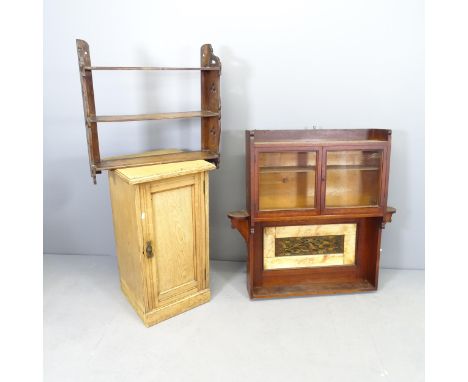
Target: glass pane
287, 180
353, 178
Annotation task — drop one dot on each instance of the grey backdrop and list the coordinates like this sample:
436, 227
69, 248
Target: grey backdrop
324, 63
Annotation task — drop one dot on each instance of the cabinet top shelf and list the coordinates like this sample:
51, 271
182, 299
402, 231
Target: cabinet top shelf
319, 136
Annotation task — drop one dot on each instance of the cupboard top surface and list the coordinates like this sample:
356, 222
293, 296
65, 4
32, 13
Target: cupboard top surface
319, 136
143, 174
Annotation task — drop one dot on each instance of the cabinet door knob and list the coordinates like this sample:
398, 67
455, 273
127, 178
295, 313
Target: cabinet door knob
149, 250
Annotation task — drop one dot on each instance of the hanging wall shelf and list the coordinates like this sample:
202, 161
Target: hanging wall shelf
210, 114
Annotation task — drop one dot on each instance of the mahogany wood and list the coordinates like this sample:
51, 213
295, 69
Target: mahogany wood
240, 221
210, 71
89, 107
369, 220
135, 161
210, 100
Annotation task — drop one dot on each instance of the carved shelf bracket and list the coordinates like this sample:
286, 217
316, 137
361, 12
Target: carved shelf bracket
387, 218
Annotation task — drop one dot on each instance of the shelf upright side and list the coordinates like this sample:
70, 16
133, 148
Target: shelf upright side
210, 101
87, 91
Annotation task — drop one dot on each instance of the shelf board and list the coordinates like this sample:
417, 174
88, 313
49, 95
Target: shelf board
358, 285
287, 169
352, 167
312, 168
152, 117
147, 160
243, 214
149, 68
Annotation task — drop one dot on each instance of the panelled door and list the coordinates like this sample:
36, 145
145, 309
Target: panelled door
173, 232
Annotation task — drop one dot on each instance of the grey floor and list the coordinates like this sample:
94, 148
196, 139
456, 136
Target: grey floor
92, 334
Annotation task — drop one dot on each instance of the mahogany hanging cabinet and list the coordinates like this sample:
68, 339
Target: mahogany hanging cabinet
316, 204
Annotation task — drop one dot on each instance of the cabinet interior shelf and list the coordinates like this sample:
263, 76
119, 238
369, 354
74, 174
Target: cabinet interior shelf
287, 169
152, 117
212, 68
312, 168
352, 167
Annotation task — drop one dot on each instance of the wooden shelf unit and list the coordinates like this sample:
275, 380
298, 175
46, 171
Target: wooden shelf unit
210, 113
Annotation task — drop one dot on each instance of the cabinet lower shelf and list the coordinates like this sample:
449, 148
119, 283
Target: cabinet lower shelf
361, 285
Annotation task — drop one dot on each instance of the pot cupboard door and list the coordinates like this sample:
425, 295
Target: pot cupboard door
173, 234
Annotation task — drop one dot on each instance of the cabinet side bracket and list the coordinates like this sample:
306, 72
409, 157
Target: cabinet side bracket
240, 220
387, 218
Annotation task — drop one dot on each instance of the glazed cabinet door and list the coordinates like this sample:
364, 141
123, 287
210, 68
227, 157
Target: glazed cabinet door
287, 180
174, 236
353, 180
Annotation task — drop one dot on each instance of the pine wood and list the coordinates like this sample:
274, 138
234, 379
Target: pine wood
167, 206
144, 174
210, 113
296, 206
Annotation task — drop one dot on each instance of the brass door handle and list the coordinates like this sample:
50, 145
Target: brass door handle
149, 250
